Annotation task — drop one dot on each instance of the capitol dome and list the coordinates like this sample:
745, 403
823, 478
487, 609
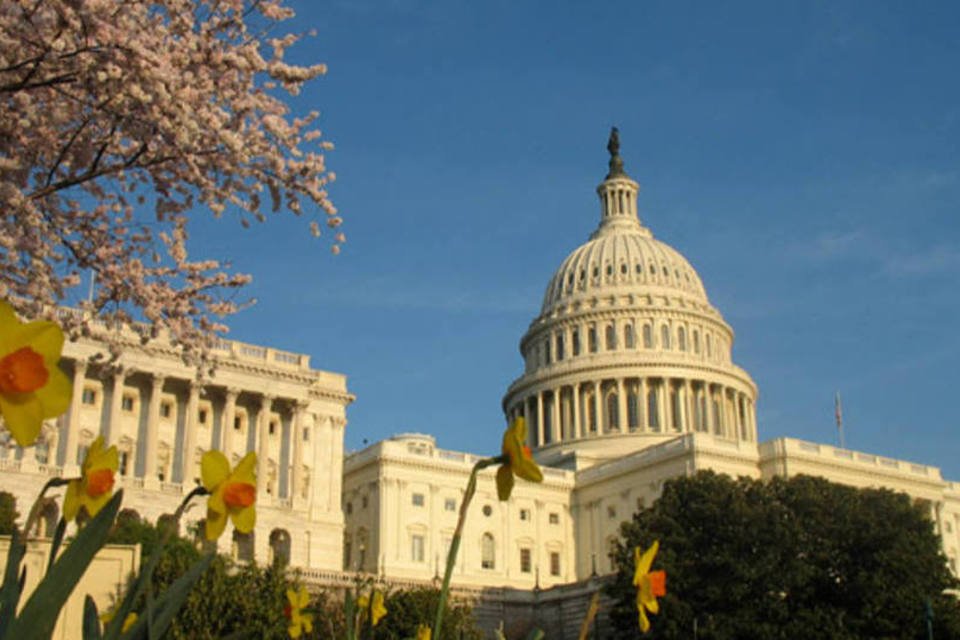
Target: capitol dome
627, 350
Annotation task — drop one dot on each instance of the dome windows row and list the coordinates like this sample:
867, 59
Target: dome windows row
581, 339
653, 273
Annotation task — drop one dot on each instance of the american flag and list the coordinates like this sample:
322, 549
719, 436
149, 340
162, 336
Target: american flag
838, 413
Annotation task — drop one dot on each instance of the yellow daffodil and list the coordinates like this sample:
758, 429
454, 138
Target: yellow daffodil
423, 632
377, 611
32, 386
650, 584
520, 461
130, 620
300, 622
231, 492
92, 490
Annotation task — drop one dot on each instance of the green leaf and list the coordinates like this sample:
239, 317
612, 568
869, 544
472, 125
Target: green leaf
56, 542
10, 590
536, 634
166, 607
91, 619
39, 614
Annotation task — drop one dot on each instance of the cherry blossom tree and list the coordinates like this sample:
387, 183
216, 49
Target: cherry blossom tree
121, 120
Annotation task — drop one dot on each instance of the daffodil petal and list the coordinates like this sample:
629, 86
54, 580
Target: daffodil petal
71, 500
529, 470
643, 566
644, 621
94, 505
214, 469
292, 598
294, 630
22, 417
55, 395
244, 519
504, 482
44, 337
246, 469
303, 598
215, 523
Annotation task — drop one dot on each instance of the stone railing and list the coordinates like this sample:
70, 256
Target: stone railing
828, 453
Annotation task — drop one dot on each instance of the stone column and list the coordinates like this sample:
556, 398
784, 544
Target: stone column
662, 405
153, 426
597, 407
189, 471
116, 398
623, 420
688, 406
575, 403
555, 416
297, 454
227, 419
73, 425
540, 429
644, 413
263, 442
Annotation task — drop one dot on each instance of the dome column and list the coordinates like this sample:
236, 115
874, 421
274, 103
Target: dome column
688, 405
643, 416
597, 406
575, 401
621, 407
540, 441
555, 416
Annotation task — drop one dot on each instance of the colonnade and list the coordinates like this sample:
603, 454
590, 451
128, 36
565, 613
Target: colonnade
223, 434
570, 411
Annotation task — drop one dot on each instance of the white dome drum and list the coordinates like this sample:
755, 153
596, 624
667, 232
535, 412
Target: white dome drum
627, 350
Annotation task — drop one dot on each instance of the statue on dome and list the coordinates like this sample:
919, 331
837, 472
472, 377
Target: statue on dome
616, 162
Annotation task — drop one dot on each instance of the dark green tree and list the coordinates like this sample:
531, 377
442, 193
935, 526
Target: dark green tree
410, 607
8, 513
797, 558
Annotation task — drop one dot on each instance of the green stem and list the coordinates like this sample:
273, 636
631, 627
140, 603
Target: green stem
455, 542
35, 509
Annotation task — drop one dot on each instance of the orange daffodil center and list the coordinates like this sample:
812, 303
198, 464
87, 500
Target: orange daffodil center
233, 492
300, 622
650, 584
519, 462
92, 490
32, 386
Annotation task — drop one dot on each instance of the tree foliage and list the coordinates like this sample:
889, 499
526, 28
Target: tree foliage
793, 558
118, 120
409, 608
8, 513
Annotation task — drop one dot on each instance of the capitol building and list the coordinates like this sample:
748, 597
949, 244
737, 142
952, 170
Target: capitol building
627, 381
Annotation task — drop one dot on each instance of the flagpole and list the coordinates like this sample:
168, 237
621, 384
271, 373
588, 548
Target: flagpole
838, 413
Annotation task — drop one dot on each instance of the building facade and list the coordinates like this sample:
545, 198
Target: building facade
149, 404
628, 381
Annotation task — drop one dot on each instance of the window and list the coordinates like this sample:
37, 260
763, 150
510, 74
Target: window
652, 410
127, 403
364, 501
633, 409
450, 504
349, 508
237, 423
202, 417
559, 346
89, 396
124, 459
546, 352
592, 339
525, 560
696, 341
417, 499
487, 510
628, 338
611, 336
575, 341
306, 434
665, 337
554, 563
554, 518
647, 337
272, 427
592, 413
681, 339
524, 514
611, 512
165, 409
488, 551
709, 345
417, 548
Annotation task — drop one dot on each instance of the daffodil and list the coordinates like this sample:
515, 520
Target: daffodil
32, 386
519, 462
300, 622
92, 490
128, 622
377, 610
423, 632
650, 584
232, 492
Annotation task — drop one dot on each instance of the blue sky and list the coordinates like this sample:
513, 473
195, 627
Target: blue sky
803, 157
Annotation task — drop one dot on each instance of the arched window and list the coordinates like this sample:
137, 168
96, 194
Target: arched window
652, 411
664, 337
709, 346
243, 545
546, 351
633, 409
613, 412
611, 337
592, 338
559, 346
681, 339
280, 547
575, 341
592, 413
696, 341
647, 337
488, 552
628, 340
